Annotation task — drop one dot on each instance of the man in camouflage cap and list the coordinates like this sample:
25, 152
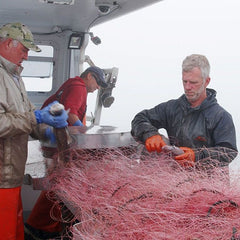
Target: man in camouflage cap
21, 33
19, 119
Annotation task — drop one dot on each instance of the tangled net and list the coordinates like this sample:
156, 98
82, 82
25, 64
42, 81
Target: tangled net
117, 194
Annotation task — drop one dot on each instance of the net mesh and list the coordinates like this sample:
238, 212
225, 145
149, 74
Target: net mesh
126, 194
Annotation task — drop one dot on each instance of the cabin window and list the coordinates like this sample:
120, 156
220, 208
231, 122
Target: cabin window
38, 70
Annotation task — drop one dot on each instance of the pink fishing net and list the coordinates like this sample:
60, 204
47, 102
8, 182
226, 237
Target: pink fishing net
120, 194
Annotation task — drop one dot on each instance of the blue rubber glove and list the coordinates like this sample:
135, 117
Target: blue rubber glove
50, 135
44, 116
78, 123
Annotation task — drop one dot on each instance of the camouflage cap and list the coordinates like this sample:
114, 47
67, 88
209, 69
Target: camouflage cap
21, 33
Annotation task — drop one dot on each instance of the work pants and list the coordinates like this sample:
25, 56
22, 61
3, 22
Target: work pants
11, 214
40, 217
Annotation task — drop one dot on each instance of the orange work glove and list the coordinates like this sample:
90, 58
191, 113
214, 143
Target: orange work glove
154, 143
186, 159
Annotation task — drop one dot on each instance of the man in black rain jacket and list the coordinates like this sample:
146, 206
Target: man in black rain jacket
195, 122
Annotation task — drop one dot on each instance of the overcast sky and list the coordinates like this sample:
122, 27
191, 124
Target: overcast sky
148, 47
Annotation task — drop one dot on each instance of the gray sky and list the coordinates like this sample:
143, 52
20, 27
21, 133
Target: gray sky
148, 47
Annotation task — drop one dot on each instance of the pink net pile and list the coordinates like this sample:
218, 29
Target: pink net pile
116, 196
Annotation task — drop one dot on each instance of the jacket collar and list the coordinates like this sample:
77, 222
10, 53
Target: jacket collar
10, 67
211, 98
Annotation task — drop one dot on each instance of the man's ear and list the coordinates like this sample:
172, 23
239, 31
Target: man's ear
208, 80
7, 43
89, 75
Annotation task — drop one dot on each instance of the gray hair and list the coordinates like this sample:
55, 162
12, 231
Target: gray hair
2, 39
197, 60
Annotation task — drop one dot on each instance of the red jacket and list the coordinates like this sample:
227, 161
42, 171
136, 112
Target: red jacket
73, 95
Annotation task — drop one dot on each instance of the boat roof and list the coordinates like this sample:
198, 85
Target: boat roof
47, 16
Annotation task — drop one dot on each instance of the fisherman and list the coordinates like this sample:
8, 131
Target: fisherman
195, 122
73, 95
19, 119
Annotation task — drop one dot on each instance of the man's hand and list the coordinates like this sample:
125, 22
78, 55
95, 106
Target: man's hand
57, 121
186, 159
154, 143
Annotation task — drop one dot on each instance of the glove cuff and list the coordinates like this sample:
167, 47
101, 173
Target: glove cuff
38, 116
78, 123
48, 132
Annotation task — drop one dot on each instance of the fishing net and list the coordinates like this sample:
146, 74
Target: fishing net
124, 194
